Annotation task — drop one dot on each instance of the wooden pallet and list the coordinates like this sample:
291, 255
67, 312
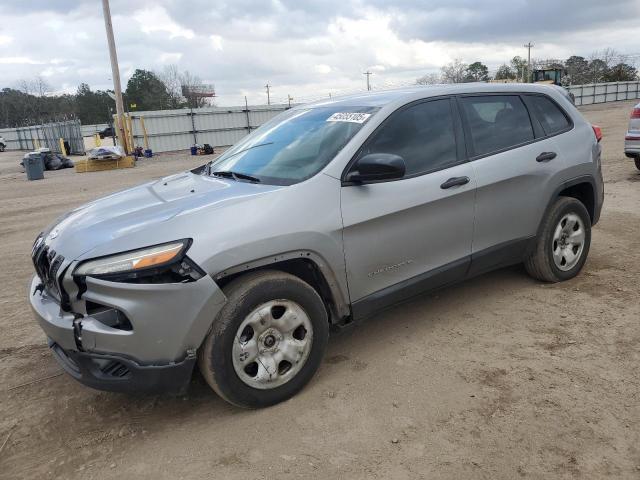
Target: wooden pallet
83, 166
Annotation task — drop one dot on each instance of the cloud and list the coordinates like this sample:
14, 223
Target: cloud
305, 48
169, 58
216, 42
500, 20
322, 68
18, 61
156, 19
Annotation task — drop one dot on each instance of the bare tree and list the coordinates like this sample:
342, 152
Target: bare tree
38, 86
454, 72
187, 83
611, 57
429, 79
35, 90
170, 76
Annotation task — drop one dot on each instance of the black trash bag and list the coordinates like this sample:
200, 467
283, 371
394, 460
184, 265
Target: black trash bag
51, 161
66, 162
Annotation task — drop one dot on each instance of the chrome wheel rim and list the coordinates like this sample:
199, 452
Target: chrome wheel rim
568, 242
272, 344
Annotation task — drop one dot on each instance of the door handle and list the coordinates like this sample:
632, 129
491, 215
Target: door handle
454, 182
546, 156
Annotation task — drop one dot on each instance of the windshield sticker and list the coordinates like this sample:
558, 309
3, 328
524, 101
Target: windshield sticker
352, 117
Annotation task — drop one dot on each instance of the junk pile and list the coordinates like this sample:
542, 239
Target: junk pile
106, 153
50, 160
105, 158
140, 152
205, 149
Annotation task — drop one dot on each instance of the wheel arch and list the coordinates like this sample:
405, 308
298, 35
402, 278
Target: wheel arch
581, 188
304, 264
584, 191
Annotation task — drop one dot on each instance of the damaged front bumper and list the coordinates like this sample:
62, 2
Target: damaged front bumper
130, 337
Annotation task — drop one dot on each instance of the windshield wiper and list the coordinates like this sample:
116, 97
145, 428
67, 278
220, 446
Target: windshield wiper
235, 175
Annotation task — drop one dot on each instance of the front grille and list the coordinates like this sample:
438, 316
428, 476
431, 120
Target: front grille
47, 264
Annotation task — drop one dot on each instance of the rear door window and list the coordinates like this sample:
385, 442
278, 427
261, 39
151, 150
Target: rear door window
496, 122
422, 134
552, 119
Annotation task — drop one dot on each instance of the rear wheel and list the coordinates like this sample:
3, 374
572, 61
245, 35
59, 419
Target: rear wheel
1, 147
267, 341
563, 244
637, 162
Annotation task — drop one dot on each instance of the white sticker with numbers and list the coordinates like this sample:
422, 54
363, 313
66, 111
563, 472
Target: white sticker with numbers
353, 117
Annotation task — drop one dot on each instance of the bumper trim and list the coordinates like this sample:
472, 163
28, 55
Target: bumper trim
119, 374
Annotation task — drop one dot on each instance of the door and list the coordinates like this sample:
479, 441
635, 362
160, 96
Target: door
406, 235
513, 164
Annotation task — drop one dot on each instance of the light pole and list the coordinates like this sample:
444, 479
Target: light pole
529, 46
115, 73
368, 74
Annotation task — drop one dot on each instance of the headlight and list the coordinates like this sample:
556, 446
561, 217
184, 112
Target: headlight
134, 261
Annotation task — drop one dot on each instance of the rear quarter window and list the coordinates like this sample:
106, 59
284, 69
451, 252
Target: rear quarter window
496, 122
551, 117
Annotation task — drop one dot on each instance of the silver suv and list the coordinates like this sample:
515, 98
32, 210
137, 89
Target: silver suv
632, 138
322, 217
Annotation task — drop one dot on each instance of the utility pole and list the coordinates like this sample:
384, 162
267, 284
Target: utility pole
115, 73
368, 74
289, 98
529, 46
267, 86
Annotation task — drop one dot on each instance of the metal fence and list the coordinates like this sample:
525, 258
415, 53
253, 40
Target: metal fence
46, 135
169, 130
605, 92
90, 130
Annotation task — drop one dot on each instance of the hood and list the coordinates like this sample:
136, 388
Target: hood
151, 207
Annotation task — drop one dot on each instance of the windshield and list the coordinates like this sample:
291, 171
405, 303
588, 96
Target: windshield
295, 145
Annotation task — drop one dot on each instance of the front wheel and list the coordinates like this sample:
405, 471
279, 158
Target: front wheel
267, 341
563, 242
1, 147
637, 162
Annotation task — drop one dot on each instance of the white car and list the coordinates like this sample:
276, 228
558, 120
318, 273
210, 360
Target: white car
632, 138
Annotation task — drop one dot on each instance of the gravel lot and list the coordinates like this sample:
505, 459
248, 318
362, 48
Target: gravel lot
500, 377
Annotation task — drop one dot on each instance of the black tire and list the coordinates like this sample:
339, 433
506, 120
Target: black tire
540, 263
1, 147
637, 162
244, 295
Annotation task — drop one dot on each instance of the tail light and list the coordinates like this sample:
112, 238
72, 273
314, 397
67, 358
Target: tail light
635, 113
597, 131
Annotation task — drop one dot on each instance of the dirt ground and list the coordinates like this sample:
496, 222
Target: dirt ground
500, 377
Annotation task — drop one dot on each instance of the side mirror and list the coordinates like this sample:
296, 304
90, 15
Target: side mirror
377, 166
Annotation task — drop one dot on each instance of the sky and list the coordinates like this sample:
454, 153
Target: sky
308, 49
